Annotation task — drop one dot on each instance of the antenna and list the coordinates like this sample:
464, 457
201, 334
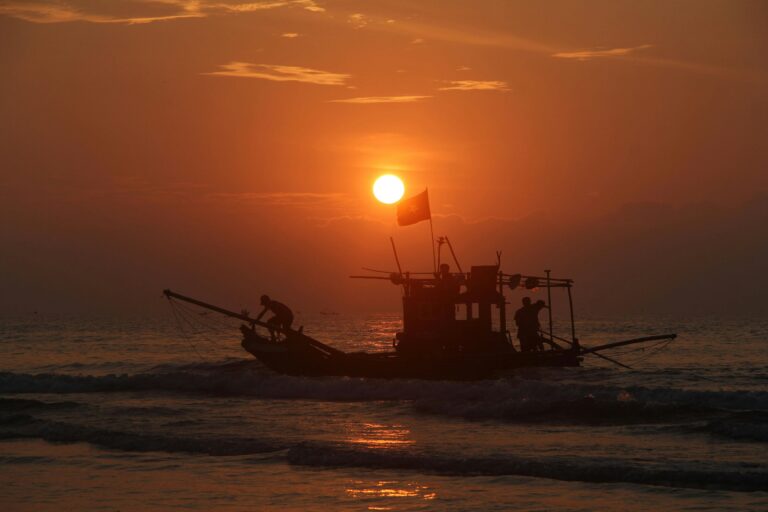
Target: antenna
450, 246
397, 260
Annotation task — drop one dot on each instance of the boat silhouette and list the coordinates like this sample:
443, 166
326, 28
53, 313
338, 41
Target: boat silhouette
454, 328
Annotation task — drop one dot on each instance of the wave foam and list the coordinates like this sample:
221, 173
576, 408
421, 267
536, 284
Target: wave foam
513, 399
582, 469
59, 432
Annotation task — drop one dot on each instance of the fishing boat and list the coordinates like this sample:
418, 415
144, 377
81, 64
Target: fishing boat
455, 327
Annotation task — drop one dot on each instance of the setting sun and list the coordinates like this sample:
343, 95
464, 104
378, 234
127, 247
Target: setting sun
388, 189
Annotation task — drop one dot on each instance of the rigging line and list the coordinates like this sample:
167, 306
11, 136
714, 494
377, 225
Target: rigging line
642, 348
183, 332
633, 351
653, 349
209, 323
213, 321
198, 331
200, 328
651, 352
194, 318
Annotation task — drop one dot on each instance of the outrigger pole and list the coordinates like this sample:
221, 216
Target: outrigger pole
245, 318
594, 350
240, 316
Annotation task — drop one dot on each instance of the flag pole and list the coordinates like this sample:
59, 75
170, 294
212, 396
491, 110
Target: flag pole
431, 234
432, 242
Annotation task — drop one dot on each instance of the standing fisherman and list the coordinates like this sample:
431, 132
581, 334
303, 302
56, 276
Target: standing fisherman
283, 315
527, 321
524, 327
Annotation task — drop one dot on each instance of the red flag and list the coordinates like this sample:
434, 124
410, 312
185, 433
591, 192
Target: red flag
413, 210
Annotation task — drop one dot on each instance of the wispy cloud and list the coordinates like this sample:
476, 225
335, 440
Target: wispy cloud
461, 34
60, 11
475, 85
381, 99
358, 20
278, 73
600, 54
290, 35
284, 198
632, 55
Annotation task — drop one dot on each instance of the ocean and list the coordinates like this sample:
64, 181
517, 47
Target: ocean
107, 414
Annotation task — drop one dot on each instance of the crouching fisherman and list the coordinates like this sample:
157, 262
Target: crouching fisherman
282, 319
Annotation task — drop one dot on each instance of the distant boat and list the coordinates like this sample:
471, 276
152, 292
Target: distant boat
454, 328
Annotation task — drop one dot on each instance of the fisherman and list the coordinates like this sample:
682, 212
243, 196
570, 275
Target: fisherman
448, 282
527, 321
523, 322
283, 315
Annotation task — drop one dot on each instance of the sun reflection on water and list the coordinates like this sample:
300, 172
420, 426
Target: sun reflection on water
374, 435
389, 489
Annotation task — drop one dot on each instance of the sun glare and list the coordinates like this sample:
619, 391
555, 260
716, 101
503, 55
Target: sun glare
388, 189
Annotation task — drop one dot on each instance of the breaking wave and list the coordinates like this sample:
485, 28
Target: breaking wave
586, 410
735, 415
497, 399
28, 427
749, 426
685, 474
582, 469
21, 404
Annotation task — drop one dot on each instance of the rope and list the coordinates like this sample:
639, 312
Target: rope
180, 325
199, 326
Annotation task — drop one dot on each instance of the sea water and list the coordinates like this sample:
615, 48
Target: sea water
106, 414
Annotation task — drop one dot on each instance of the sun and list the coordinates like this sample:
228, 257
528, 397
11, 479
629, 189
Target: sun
388, 188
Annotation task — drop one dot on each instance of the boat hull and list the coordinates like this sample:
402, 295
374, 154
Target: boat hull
297, 357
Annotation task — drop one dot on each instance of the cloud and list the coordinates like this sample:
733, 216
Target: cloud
629, 54
475, 85
358, 20
279, 73
599, 54
460, 34
381, 99
284, 198
59, 11
290, 35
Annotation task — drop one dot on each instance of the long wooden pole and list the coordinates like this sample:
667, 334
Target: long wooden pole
432, 243
397, 260
322, 346
226, 312
573, 321
455, 259
549, 302
576, 346
628, 342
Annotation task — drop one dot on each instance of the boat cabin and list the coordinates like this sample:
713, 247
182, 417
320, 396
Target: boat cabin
448, 312
453, 312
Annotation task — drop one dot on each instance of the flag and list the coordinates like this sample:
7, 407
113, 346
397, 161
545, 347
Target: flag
413, 210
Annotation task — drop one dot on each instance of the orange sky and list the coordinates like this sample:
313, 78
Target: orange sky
144, 142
